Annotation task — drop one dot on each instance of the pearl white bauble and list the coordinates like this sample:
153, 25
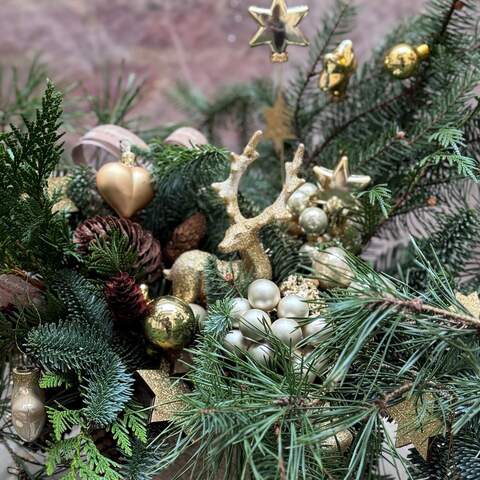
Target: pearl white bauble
287, 331
317, 329
254, 324
309, 189
313, 220
239, 307
263, 294
308, 249
261, 353
234, 340
200, 314
292, 306
298, 202
302, 367
331, 268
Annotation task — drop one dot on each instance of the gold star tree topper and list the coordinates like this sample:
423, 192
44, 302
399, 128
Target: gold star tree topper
279, 120
279, 28
339, 182
409, 432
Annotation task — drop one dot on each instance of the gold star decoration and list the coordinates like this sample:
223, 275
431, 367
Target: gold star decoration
279, 28
470, 302
278, 128
339, 182
409, 432
166, 394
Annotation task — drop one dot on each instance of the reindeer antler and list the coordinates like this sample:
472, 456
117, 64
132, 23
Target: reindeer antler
242, 235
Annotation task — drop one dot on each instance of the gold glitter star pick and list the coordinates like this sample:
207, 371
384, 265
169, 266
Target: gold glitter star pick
409, 432
339, 182
278, 119
166, 393
279, 28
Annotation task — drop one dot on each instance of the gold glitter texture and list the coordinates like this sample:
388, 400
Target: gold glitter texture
409, 431
470, 302
166, 392
59, 185
242, 235
278, 28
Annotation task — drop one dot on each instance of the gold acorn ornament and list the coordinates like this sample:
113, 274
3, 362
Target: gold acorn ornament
28, 408
402, 60
171, 323
338, 67
279, 28
125, 187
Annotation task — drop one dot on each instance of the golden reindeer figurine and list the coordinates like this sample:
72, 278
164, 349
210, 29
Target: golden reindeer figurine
187, 273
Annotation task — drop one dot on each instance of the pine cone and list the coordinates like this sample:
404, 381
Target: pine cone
149, 254
125, 299
186, 236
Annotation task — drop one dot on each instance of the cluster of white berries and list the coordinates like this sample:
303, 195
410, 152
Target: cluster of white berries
253, 322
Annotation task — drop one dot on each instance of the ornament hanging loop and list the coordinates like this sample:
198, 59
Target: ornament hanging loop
128, 157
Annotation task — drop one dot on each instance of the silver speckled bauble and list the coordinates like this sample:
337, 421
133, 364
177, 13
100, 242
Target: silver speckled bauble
239, 307
309, 189
234, 341
317, 330
263, 294
261, 353
199, 312
298, 202
287, 331
313, 220
331, 268
255, 323
292, 306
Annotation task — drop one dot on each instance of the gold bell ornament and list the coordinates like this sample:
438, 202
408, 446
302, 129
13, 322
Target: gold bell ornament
171, 325
278, 28
339, 66
125, 187
28, 408
402, 60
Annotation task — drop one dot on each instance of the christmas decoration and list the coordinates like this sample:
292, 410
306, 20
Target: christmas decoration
340, 441
186, 137
260, 353
331, 268
166, 393
338, 67
409, 431
186, 236
125, 187
263, 294
17, 292
305, 288
28, 409
59, 186
239, 307
279, 28
187, 272
287, 330
278, 124
147, 248
234, 340
199, 312
103, 144
314, 221
254, 324
403, 60
126, 300
171, 323
292, 306
471, 302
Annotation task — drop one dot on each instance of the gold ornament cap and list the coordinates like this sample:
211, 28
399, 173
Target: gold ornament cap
423, 51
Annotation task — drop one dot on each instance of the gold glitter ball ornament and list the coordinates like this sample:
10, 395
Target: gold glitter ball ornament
402, 61
171, 324
279, 28
339, 66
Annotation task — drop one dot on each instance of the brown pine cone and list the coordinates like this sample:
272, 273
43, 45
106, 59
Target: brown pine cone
147, 247
186, 236
125, 299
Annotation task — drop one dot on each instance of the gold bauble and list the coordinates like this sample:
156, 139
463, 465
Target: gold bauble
338, 442
171, 324
125, 187
402, 61
28, 408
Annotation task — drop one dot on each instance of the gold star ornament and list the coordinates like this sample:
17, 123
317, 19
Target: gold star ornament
166, 393
409, 431
339, 183
279, 28
279, 120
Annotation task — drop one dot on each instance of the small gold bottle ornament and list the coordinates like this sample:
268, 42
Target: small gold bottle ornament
403, 60
28, 408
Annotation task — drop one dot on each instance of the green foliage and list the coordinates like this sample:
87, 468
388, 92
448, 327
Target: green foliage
109, 256
31, 235
62, 421
378, 196
141, 465
53, 380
